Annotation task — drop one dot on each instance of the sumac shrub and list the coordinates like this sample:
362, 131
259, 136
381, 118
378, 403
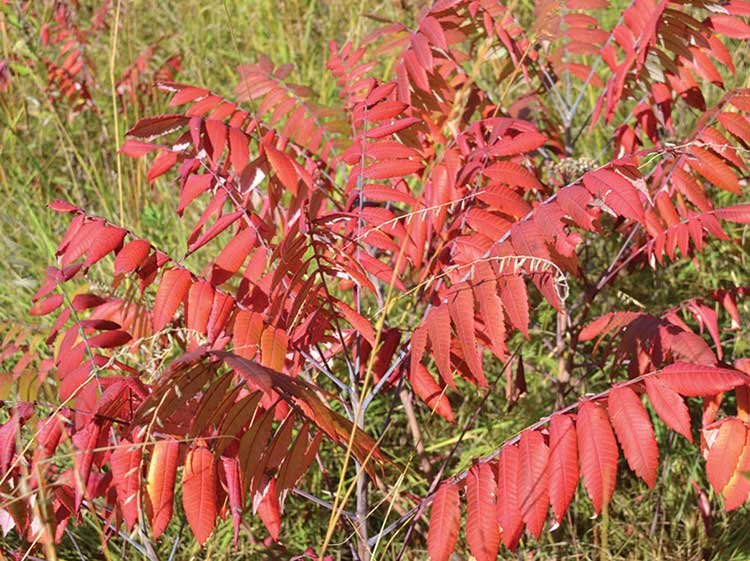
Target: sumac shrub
479, 196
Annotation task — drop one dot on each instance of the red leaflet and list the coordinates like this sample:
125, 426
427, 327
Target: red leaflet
234, 491
482, 533
563, 463
725, 452
430, 392
508, 496
126, 472
84, 442
598, 450
439, 330
616, 191
109, 339
392, 168
170, 294
248, 327
283, 167
739, 214
200, 301
361, 324
694, 380
269, 510
669, 406
199, 492
737, 489
152, 127
62, 206
533, 481
444, 523
106, 241
634, 432
130, 257
490, 307
461, 308
162, 472
273, 347
715, 170
230, 259
516, 301
513, 175
48, 305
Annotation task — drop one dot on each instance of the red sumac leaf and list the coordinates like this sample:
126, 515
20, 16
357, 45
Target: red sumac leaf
62, 206
515, 301
283, 167
131, 256
392, 168
273, 347
430, 392
171, 292
107, 240
46, 306
725, 453
445, 519
634, 432
669, 406
482, 532
694, 380
126, 472
563, 464
598, 452
533, 481
508, 506
162, 472
199, 492
736, 491
461, 308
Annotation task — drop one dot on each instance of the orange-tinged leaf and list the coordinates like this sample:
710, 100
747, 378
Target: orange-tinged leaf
634, 432
444, 523
174, 285
533, 481
714, 170
598, 453
162, 472
200, 299
199, 492
737, 489
563, 464
725, 452
273, 347
248, 327
482, 532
